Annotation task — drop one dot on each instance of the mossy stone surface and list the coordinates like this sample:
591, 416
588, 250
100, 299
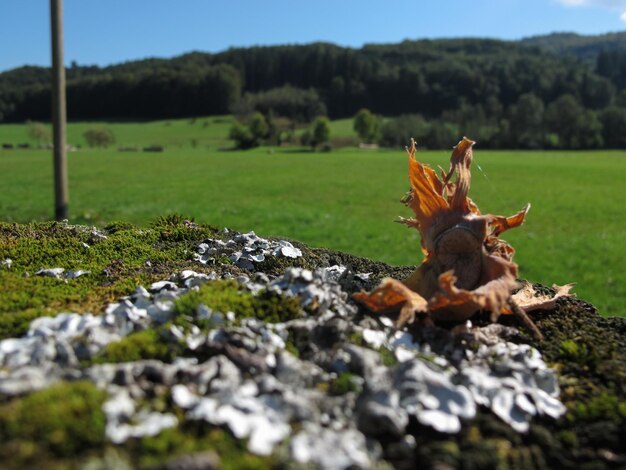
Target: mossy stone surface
127, 257
230, 296
146, 344
62, 421
64, 424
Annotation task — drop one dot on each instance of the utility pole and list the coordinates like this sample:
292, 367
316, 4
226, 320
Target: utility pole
59, 115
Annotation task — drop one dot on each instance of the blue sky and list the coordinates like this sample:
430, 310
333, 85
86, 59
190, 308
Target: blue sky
103, 32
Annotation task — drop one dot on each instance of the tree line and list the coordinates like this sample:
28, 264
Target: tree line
506, 94
144, 93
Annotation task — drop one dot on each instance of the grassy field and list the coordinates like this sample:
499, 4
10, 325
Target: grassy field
177, 133
346, 199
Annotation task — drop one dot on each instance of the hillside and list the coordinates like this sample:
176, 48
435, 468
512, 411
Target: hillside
512, 94
425, 76
585, 48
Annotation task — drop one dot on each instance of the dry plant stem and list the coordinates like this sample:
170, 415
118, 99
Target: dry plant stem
523, 317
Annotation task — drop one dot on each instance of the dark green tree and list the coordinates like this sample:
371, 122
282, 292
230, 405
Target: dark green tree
590, 131
242, 136
472, 85
251, 134
612, 65
301, 106
258, 127
575, 126
561, 119
526, 118
614, 127
99, 136
596, 92
367, 126
398, 132
39, 132
441, 135
321, 131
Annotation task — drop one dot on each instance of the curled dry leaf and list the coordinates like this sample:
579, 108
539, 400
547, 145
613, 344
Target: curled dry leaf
529, 299
467, 267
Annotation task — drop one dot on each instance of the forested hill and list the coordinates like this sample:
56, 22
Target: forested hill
426, 76
585, 48
482, 85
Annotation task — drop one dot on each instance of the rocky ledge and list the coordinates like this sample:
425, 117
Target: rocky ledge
251, 353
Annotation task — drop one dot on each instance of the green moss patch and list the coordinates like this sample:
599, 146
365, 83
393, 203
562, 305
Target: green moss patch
195, 437
64, 420
146, 344
230, 296
117, 264
64, 425
221, 296
590, 353
344, 383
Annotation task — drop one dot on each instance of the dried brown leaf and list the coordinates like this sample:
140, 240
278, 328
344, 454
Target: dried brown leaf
499, 224
425, 200
467, 266
529, 299
392, 296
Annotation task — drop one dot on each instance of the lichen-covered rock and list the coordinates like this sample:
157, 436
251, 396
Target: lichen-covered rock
277, 361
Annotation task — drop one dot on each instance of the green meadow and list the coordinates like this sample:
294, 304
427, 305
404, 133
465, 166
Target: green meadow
346, 199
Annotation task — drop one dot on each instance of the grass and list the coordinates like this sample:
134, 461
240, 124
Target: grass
345, 200
209, 132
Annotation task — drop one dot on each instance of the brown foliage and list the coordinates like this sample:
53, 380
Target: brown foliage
467, 267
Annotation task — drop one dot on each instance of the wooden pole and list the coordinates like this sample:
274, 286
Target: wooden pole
59, 116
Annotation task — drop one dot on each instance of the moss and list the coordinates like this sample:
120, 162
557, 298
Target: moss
527, 457
602, 407
118, 226
274, 308
221, 296
64, 420
276, 265
176, 228
117, 264
568, 438
146, 344
579, 352
56, 426
387, 356
171, 220
344, 383
196, 437
290, 346
569, 348
356, 338
488, 453
16, 324
440, 453
588, 351
225, 296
